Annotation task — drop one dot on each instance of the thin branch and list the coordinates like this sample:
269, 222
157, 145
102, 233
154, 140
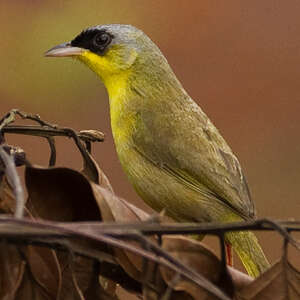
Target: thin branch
52, 159
117, 235
146, 228
35, 118
10, 117
45, 132
44, 230
86, 136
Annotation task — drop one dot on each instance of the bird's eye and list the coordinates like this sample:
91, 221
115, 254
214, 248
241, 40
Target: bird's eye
102, 39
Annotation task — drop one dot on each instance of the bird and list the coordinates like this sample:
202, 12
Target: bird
173, 155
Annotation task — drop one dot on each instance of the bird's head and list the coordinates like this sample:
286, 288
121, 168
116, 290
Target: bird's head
117, 53
108, 50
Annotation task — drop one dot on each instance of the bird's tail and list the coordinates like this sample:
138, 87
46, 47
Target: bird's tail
245, 244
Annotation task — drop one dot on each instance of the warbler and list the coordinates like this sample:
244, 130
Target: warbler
173, 155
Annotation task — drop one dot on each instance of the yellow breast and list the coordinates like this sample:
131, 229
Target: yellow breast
123, 117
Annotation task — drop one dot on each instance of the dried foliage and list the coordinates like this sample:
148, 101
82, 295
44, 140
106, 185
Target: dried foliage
76, 239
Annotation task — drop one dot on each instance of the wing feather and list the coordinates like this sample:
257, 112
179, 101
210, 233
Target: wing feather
188, 146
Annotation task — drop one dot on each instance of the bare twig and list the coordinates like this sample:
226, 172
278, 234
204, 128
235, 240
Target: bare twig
52, 235
10, 117
35, 118
146, 228
118, 235
86, 136
45, 132
52, 159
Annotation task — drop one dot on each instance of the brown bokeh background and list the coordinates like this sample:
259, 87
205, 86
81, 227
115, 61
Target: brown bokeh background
238, 59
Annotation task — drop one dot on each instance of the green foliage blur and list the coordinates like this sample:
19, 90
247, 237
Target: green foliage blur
238, 59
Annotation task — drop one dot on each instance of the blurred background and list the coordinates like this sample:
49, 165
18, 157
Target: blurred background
238, 59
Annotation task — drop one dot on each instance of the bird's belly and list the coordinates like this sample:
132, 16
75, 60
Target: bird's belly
163, 191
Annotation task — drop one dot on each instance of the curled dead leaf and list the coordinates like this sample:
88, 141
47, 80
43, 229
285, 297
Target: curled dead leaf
201, 259
281, 281
44, 268
12, 268
94, 173
60, 194
115, 209
7, 198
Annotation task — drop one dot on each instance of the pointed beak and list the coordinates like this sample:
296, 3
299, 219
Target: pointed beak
63, 50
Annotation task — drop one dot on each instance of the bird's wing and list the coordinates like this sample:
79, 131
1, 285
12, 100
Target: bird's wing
192, 150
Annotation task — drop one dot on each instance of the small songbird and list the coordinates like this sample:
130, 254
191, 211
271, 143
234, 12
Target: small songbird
173, 155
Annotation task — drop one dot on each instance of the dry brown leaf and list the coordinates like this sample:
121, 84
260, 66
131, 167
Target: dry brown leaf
115, 209
240, 280
44, 268
281, 281
201, 259
31, 289
62, 194
96, 291
31, 279
18, 280
92, 170
7, 198
12, 268
79, 277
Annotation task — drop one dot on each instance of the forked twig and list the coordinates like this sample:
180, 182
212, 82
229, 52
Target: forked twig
49, 131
